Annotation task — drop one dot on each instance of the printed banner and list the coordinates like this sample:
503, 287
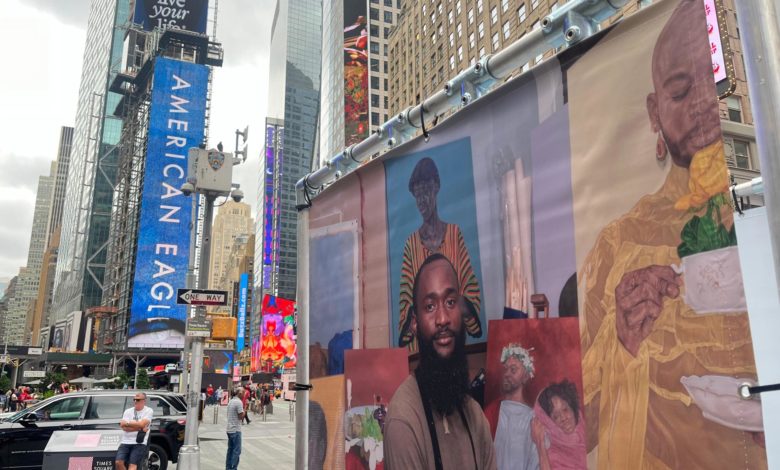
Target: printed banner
578, 220
190, 15
176, 124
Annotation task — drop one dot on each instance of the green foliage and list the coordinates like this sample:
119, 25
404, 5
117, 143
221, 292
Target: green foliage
122, 379
143, 380
5, 383
706, 233
52, 380
47, 394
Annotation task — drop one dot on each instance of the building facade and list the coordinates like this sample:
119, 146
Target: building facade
296, 35
5, 304
434, 40
379, 18
92, 169
61, 179
233, 220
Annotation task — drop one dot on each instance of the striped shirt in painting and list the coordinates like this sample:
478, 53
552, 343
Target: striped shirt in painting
453, 246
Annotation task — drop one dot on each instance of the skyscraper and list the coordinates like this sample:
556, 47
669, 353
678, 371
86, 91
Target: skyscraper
233, 220
296, 35
60, 179
341, 22
86, 214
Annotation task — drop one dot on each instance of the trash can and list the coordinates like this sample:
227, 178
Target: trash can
82, 449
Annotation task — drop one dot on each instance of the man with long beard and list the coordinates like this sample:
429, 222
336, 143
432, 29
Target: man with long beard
432, 423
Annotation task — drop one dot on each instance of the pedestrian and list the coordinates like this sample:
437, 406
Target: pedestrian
235, 415
245, 402
218, 394
265, 399
210, 395
14, 400
134, 446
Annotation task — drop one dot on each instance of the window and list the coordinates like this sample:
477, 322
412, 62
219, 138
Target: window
481, 52
457, 7
374, 99
735, 108
479, 6
452, 62
460, 30
159, 406
388, 3
481, 29
471, 16
741, 154
388, 17
374, 14
536, 26
471, 41
440, 8
423, 10
452, 39
375, 119
374, 47
62, 410
493, 15
375, 65
460, 53
521, 13
106, 407
374, 30
495, 42
504, 5
375, 83
433, 38
433, 17
387, 32
451, 17
554, 6
534, 4
506, 30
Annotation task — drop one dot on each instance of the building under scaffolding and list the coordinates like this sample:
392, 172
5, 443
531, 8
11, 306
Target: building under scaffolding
143, 50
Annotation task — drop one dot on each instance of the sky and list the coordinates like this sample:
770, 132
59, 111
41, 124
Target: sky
39, 91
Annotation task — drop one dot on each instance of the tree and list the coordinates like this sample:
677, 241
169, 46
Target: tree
5, 383
143, 380
123, 379
52, 380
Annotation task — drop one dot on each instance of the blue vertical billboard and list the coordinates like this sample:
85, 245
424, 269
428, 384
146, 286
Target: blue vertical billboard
176, 123
243, 287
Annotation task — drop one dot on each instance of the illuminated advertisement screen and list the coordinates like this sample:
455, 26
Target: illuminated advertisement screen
175, 125
716, 46
189, 15
355, 72
242, 297
277, 334
217, 361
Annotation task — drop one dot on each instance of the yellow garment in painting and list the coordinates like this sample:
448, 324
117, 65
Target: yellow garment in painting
637, 411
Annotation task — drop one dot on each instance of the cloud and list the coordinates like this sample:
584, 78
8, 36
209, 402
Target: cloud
22, 172
244, 29
71, 12
16, 211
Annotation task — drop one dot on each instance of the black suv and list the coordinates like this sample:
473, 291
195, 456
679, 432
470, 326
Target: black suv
24, 436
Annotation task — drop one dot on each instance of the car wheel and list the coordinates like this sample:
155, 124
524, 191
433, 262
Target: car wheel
158, 458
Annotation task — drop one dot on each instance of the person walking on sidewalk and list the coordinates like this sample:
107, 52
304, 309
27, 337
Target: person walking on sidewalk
235, 415
245, 402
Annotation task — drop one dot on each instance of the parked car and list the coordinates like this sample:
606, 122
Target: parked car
24, 435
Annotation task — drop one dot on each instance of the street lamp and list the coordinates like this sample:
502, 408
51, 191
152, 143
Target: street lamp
210, 175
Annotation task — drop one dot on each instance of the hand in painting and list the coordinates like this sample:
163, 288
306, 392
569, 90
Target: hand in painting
639, 299
537, 433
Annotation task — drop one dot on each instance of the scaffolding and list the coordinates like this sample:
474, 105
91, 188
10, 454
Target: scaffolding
134, 83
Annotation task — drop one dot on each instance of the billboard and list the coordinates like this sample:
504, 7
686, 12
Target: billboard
356, 90
578, 220
189, 15
243, 287
277, 334
217, 361
176, 124
274, 139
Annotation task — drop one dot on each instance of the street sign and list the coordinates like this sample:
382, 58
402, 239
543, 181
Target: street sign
37, 374
5, 359
201, 297
198, 324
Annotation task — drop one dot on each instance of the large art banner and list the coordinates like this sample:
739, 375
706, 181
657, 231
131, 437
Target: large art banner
569, 239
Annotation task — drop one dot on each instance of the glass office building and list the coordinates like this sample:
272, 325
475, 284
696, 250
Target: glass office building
87, 210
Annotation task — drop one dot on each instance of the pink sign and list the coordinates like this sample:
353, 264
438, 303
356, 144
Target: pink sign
716, 47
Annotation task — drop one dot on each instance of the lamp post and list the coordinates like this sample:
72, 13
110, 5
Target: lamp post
210, 175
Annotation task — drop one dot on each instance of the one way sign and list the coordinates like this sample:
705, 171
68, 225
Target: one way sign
201, 297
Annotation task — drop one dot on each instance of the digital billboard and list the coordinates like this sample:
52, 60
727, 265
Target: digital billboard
355, 72
243, 287
189, 15
274, 138
277, 334
217, 361
176, 124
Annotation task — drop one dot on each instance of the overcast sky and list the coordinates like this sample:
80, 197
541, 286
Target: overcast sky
43, 53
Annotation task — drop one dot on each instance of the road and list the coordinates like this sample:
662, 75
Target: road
269, 444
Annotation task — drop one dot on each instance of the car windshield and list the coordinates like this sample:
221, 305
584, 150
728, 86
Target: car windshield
14, 417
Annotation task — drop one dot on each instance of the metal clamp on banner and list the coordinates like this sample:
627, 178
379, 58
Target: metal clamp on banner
746, 391
302, 387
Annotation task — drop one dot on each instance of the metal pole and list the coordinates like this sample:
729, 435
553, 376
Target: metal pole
135, 379
189, 456
302, 369
185, 353
759, 27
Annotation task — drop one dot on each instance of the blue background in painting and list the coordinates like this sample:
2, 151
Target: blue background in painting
150, 230
243, 285
455, 204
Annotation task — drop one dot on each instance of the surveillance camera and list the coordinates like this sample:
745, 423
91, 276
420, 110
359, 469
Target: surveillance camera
237, 195
187, 188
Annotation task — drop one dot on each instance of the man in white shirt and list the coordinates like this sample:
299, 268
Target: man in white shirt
134, 447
